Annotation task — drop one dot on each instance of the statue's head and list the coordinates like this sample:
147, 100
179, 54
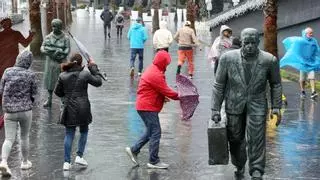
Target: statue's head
250, 41
6, 23
56, 25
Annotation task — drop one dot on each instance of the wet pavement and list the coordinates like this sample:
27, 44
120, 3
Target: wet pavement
293, 149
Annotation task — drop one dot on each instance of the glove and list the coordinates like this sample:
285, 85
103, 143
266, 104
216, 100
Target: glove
93, 68
277, 113
216, 117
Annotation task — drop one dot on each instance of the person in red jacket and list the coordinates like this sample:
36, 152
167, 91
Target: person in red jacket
152, 93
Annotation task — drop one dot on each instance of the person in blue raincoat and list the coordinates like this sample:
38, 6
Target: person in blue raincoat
303, 54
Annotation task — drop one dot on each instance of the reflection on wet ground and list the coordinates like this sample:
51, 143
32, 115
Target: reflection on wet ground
293, 149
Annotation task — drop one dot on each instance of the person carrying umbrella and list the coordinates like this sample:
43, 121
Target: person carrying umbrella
152, 93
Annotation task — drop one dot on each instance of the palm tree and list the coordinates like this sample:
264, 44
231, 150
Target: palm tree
155, 20
270, 27
35, 24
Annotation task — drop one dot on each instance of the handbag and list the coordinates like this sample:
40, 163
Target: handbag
64, 108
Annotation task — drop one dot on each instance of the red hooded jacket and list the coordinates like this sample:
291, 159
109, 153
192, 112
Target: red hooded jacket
153, 88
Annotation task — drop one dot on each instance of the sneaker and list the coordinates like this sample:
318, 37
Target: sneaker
66, 166
139, 74
159, 165
314, 95
132, 72
26, 165
132, 156
79, 160
5, 171
190, 76
303, 94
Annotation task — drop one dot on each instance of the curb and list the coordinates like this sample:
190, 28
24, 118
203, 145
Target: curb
292, 76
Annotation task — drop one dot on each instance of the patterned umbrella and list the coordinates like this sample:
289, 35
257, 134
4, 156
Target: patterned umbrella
189, 97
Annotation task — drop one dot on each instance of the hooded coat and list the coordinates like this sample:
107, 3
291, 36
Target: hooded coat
152, 88
18, 85
303, 53
72, 86
220, 45
162, 38
137, 36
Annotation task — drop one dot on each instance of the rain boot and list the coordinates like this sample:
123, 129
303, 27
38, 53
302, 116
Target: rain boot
48, 102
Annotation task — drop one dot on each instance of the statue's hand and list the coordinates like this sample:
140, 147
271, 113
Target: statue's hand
216, 117
277, 113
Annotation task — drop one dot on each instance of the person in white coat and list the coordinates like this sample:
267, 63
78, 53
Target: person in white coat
162, 38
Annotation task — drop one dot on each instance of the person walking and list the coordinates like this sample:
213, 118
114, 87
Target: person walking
302, 53
137, 36
107, 18
220, 45
72, 86
152, 93
119, 23
162, 38
186, 39
20, 93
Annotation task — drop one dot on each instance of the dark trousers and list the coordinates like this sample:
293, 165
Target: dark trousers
245, 129
134, 52
106, 27
68, 139
152, 134
119, 29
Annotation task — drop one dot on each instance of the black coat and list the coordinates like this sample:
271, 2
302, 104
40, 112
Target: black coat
75, 95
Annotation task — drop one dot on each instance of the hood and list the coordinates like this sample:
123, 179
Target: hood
223, 28
136, 25
162, 59
24, 59
163, 25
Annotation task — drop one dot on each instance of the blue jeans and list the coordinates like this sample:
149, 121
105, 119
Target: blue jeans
152, 134
68, 139
134, 53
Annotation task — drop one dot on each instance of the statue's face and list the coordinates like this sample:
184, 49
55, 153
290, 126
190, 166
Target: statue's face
56, 28
250, 45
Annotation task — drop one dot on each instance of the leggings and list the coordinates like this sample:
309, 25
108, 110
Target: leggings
11, 123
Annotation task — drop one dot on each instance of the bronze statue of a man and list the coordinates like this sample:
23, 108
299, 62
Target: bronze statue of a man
241, 80
56, 46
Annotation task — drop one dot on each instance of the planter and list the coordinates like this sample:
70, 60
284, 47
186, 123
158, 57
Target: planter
179, 15
184, 11
134, 15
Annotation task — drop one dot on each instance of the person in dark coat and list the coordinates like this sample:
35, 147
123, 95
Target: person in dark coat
72, 87
107, 18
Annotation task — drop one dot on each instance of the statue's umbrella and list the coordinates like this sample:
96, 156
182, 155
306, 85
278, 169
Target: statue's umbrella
189, 97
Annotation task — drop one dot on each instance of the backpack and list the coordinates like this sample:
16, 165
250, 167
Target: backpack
119, 19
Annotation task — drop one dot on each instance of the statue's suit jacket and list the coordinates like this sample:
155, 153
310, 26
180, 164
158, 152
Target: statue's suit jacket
230, 84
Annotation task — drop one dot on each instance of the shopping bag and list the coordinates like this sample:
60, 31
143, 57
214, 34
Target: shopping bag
218, 143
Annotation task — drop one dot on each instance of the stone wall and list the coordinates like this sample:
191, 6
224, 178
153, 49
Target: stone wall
293, 16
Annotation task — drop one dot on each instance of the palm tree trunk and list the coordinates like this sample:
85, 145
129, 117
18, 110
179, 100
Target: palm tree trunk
155, 19
35, 24
14, 5
270, 27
